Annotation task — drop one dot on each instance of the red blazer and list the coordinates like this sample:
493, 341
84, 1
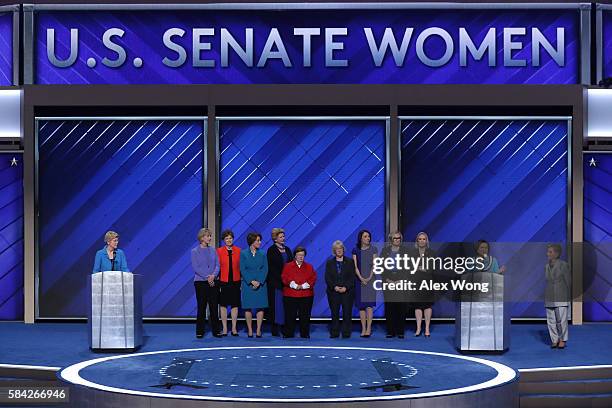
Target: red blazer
292, 272
224, 263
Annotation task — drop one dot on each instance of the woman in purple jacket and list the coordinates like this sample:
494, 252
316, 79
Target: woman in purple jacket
205, 264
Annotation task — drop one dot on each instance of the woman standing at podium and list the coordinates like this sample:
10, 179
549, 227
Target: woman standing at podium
229, 280
490, 262
110, 258
205, 264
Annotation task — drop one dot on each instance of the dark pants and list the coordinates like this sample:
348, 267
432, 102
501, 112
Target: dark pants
271, 311
395, 315
336, 300
205, 294
301, 307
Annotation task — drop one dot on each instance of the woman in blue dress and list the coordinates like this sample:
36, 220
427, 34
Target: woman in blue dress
365, 295
254, 270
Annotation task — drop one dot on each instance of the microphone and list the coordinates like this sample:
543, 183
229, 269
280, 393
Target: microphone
113, 260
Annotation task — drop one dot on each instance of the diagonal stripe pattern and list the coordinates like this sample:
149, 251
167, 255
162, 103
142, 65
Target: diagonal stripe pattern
145, 29
6, 49
11, 236
141, 178
498, 180
597, 237
607, 43
319, 180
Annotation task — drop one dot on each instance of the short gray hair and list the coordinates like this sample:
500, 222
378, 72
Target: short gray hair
555, 247
337, 243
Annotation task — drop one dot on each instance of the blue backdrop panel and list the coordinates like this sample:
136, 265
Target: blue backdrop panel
597, 237
607, 42
6, 48
11, 236
141, 178
320, 180
499, 180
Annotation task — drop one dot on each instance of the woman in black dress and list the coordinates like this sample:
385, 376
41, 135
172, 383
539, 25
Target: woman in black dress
278, 254
422, 300
395, 301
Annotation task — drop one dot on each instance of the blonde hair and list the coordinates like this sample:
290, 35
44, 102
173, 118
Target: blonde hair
202, 232
416, 240
110, 235
275, 232
395, 233
337, 243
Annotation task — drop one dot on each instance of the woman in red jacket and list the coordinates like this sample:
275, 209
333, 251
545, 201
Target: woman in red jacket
229, 280
298, 278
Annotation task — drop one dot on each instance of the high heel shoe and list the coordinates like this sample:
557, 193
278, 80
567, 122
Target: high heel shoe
259, 336
235, 334
250, 335
417, 334
427, 335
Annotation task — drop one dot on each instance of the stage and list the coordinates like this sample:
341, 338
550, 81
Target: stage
173, 368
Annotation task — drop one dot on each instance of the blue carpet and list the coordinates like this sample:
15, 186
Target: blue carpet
63, 344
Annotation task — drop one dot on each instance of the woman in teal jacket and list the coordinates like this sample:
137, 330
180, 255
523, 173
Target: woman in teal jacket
253, 271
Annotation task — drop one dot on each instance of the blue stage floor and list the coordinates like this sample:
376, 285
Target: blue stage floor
291, 372
63, 344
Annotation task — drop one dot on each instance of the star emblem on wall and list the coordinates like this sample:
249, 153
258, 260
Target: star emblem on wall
592, 162
13, 162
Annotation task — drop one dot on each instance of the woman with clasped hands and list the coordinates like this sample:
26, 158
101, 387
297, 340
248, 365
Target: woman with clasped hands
298, 278
110, 258
340, 281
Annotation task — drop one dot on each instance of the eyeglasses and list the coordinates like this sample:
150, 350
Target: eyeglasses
397, 237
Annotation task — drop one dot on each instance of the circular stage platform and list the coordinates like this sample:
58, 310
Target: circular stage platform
289, 374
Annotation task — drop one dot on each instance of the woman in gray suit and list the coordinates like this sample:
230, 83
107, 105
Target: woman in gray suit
557, 296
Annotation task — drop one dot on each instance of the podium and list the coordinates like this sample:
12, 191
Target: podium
482, 321
115, 311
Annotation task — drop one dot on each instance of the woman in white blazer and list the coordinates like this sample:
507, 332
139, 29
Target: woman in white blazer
557, 296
